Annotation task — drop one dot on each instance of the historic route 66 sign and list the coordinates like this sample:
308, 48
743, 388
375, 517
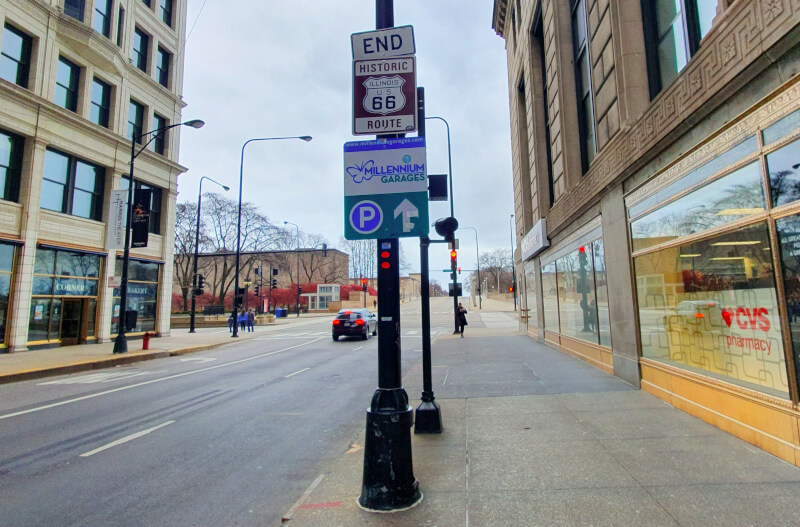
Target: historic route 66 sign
384, 96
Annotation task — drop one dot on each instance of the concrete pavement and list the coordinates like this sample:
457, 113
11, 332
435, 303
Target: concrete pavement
535, 437
34, 364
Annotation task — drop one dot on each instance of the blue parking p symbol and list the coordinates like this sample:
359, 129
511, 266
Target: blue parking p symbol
366, 217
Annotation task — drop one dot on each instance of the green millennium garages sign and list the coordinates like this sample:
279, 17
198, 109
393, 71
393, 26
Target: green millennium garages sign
385, 189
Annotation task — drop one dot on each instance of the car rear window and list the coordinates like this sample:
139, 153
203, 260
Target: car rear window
349, 316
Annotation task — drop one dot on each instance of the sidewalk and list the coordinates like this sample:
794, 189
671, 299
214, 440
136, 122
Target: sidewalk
534, 437
34, 364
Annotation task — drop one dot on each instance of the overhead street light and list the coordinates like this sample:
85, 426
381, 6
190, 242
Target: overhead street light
297, 253
121, 342
197, 247
305, 138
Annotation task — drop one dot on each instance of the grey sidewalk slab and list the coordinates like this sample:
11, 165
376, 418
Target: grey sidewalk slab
575, 446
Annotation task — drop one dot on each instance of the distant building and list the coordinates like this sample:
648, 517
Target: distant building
77, 80
656, 168
315, 266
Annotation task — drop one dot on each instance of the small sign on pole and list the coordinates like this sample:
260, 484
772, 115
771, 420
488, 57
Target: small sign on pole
115, 229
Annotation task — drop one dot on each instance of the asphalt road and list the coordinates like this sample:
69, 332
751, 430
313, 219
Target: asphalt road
231, 436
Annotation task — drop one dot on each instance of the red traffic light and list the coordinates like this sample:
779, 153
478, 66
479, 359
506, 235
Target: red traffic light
363, 281
510, 289
453, 255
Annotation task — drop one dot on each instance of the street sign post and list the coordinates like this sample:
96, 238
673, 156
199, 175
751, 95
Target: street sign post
383, 43
384, 96
385, 189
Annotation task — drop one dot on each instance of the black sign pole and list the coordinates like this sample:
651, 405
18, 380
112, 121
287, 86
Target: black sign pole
428, 418
388, 482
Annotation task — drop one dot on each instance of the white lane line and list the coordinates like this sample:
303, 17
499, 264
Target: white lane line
198, 359
184, 374
412, 332
358, 348
295, 373
126, 439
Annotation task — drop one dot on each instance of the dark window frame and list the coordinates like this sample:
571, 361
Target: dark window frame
104, 105
160, 140
537, 34
141, 53
691, 28
10, 191
24, 61
581, 48
68, 204
120, 25
72, 91
75, 9
165, 8
104, 16
136, 128
162, 70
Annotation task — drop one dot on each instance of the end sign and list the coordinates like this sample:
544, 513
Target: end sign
384, 81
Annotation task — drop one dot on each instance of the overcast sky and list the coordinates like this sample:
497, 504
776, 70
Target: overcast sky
284, 68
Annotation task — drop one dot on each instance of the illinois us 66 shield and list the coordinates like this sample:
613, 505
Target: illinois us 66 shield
385, 189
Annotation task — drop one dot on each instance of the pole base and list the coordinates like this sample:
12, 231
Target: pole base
428, 419
389, 483
120, 344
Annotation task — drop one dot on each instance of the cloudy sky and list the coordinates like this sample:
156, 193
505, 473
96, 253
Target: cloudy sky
284, 68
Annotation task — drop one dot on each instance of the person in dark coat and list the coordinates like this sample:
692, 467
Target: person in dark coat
461, 318
231, 322
251, 317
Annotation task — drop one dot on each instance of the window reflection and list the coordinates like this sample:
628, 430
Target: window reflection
577, 305
601, 288
550, 297
711, 306
734, 196
784, 174
789, 240
530, 293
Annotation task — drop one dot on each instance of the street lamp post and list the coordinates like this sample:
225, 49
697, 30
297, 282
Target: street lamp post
297, 253
197, 245
121, 342
452, 212
513, 268
478, 260
305, 138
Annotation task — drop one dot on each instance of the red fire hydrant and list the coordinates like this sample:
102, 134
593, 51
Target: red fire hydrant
146, 340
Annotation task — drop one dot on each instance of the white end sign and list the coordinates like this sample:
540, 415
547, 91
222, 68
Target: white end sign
383, 43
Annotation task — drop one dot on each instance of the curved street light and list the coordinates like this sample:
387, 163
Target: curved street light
197, 247
297, 253
305, 138
121, 342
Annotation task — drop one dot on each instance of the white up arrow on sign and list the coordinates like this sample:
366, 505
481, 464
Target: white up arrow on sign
408, 210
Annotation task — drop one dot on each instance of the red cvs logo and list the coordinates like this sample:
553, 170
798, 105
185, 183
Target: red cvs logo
747, 318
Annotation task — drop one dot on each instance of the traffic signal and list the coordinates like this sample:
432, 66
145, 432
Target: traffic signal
299, 290
274, 272
256, 290
201, 281
459, 269
453, 260
257, 271
274, 283
324, 250
511, 289
364, 284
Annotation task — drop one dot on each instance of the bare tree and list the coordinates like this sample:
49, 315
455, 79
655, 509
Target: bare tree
496, 265
363, 257
185, 225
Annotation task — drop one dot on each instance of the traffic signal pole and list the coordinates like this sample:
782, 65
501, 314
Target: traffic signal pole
388, 482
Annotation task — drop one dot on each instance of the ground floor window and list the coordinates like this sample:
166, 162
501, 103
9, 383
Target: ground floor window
711, 306
142, 295
7, 258
64, 301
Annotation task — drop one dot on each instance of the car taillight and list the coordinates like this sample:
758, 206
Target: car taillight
359, 322
699, 315
336, 322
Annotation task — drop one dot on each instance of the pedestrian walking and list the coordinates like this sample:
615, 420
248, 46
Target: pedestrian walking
461, 318
251, 317
242, 320
231, 323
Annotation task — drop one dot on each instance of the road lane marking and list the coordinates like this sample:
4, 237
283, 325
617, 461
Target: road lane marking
358, 348
198, 359
126, 439
92, 378
295, 373
169, 377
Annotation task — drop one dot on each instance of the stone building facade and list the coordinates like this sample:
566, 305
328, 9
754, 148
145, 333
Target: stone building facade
656, 168
78, 79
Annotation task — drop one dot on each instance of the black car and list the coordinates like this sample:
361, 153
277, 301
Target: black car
354, 323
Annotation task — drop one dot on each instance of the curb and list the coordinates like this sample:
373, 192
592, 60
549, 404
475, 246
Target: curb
100, 364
